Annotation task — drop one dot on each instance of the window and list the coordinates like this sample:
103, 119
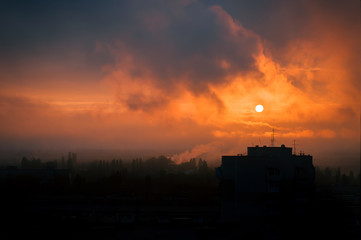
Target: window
273, 187
273, 172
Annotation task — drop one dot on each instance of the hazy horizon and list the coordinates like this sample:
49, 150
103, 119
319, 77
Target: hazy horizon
181, 77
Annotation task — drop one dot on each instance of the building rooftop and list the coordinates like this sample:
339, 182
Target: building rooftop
269, 151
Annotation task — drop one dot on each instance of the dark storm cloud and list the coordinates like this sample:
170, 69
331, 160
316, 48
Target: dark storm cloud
172, 38
193, 43
280, 21
37, 23
31, 31
177, 73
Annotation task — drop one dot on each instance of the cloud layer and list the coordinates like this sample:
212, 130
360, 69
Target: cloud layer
179, 74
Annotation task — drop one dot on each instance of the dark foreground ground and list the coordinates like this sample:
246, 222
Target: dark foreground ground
75, 216
161, 206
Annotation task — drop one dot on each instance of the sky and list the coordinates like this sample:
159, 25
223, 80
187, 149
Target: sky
182, 74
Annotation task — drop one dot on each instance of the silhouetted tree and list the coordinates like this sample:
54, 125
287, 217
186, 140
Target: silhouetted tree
35, 163
202, 165
137, 164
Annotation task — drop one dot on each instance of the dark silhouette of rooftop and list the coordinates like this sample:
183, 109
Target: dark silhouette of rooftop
267, 194
261, 189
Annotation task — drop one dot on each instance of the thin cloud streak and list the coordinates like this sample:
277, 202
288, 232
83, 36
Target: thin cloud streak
186, 74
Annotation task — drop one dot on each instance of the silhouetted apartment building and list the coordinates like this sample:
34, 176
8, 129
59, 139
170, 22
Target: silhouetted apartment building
268, 190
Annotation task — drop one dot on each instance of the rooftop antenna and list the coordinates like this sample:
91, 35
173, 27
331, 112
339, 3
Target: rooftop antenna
294, 146
273, 138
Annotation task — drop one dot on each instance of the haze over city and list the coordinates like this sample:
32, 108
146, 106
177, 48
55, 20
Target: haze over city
181, 77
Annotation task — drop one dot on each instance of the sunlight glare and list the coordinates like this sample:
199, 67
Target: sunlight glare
259, 108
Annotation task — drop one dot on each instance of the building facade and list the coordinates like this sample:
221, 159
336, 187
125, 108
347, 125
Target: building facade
269, 189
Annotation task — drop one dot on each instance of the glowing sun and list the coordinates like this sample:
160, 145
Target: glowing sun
259, 108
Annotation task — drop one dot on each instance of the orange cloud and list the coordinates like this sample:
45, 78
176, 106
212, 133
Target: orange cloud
191, 76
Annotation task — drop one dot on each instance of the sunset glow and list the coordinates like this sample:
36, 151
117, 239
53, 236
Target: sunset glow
183, 75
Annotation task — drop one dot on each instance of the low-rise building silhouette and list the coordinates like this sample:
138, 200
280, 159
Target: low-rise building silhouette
43, 175
269, 188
